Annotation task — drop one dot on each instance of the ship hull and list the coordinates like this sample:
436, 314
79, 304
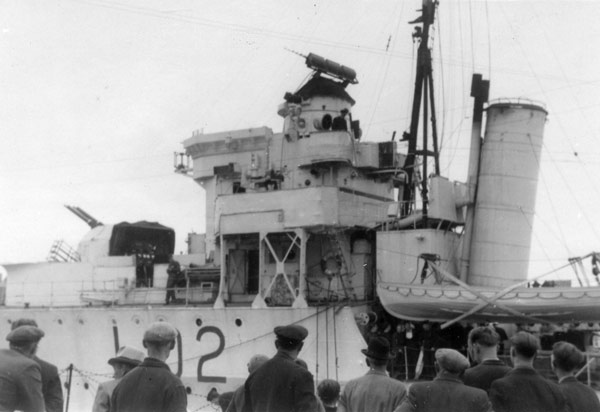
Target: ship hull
213, 346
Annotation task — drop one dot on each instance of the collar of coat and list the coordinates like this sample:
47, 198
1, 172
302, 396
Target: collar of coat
155, 363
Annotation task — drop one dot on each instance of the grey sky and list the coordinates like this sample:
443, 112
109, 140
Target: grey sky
98, 94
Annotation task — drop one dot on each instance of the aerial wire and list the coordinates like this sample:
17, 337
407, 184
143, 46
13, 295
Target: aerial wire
442, 90
558, 170
489, 45
386, 70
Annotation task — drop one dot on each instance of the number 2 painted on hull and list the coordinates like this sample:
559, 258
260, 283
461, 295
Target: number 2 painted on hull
211, 355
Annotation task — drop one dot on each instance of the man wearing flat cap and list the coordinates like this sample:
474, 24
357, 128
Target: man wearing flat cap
446, 392
152, 387
20, 375
566, 359
51, 386
280, 384
375, 391
523, 388
125, 360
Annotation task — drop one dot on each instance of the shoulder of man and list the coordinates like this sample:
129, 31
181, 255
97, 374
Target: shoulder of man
29, 365
47, 367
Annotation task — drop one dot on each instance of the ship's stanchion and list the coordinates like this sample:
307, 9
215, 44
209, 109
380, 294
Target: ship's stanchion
405, 363
589, 359
68, 385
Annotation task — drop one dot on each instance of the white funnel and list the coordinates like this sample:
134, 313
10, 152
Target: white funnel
507, 186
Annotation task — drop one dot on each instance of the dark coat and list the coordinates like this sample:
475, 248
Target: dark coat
524, 389
446, 393
374, 392
150, 387
20, 383
579, 396
51, 386
482, 375
280, 385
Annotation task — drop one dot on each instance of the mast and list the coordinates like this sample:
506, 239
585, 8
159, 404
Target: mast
423, 97
479, 90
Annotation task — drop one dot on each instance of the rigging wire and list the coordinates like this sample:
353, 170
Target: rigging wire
489, 45
472, 39
561, 174
260, 31
442, 89
382, 80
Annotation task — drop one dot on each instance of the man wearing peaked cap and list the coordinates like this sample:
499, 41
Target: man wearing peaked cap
20, 375
125, 360
375, 391
523, 388
51, 385
446, 392
280, 384
291, 333
152, 386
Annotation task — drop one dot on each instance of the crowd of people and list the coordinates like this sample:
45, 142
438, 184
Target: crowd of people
143, 382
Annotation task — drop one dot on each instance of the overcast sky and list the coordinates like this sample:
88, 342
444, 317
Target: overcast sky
97, 95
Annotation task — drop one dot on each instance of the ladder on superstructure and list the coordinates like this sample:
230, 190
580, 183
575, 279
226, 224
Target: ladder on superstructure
344, 272
62, 252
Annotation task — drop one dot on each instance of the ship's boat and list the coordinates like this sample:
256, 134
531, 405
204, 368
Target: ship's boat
312, 225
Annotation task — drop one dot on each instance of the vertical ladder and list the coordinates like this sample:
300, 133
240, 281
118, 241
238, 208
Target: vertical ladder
340, 251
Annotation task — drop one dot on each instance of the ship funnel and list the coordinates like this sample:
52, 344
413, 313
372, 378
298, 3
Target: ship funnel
506, 193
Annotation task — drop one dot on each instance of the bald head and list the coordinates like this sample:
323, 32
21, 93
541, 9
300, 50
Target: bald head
256, 362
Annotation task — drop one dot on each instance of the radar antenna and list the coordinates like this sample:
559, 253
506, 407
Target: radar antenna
322, 65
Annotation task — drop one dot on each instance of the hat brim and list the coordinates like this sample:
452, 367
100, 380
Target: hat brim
376, 355
126, 361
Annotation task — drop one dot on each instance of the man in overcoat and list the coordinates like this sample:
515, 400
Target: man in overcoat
483, 350
126, 359
20, 375
375, 391
280, 384
447, 392
51, 386
237, 402
523, 388
566, 359
152, 387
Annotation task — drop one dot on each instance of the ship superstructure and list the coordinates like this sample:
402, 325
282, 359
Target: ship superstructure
309, 224
290, 215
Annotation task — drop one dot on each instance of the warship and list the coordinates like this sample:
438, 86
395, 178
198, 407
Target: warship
313, 225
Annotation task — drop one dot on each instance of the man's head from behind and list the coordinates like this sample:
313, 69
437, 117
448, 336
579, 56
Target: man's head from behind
125, 360
256, 362
23, 322
329, 392
566, 357
25, 339
451, 361
159, 339
290, 338
482, 343
378, 352
524, 346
